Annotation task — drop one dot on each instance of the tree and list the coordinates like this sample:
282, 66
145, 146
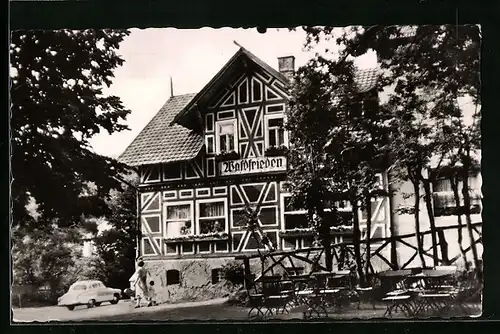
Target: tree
464, 143
44, 257
338, 139
116, 252
57, 80
443, 60
410, 145
357, 144
309, 121
440, 62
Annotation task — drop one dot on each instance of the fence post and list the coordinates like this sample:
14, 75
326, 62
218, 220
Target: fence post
444, 246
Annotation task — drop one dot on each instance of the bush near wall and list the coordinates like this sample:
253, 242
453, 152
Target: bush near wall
234, 273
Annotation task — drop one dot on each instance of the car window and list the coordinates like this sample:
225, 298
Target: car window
95, 286
79, 287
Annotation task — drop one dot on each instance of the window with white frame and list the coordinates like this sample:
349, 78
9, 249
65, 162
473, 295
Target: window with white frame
179, 218
444, 199
296, 217
227, 138
212, 216
275, 132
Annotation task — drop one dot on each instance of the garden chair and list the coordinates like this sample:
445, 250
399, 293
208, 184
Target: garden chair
468, 293
398, 303
256, 300
367, 293
275, 300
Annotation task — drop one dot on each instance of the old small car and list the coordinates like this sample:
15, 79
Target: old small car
91, 293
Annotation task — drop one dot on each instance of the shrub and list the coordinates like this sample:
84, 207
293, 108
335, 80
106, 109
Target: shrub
233, 272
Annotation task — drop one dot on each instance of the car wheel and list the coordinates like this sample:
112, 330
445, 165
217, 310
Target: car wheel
91, 303
71, 307
115, 300
98, 304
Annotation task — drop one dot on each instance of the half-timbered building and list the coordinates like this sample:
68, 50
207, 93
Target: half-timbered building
203, 158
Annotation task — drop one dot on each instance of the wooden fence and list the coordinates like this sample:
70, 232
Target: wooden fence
343, 254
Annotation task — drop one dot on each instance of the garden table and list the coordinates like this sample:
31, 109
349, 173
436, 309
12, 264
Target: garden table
327, 288
393, 281
432, 294
436, 279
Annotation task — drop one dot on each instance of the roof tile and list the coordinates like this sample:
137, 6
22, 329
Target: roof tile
366, 79
160, 143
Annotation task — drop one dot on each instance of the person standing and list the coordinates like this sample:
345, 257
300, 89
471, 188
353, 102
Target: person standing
151, 294
141, 287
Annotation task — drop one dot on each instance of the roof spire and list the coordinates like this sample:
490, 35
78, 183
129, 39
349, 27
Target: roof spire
171, 87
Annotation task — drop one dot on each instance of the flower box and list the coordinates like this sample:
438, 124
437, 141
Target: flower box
198, 238
303, 232
227, 156
276, 151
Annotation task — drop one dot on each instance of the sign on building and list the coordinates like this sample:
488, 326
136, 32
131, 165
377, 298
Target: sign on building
252, 165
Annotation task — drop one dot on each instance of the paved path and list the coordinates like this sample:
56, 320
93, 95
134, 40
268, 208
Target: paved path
215, 310
123, 310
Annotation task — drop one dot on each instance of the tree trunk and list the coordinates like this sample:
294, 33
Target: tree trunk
326, 236
420, 247
368, 205
454, 187
356, 235
430, 213
392, 227
465, 194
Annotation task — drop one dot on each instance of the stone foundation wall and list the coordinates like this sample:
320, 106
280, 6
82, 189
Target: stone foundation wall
195, 279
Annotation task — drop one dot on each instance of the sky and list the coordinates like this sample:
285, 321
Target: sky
191, 57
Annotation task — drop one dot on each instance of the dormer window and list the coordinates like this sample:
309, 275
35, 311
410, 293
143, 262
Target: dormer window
227, 139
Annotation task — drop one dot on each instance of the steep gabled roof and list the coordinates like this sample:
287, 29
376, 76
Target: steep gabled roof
163, 140
234, 64
160, 142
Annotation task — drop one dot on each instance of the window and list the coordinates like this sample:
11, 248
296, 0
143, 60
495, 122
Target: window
217, 275
443, 185
212, 216
178, 219
227, 140
294, 217
79, 287
173, 277
444, 199
275, 132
